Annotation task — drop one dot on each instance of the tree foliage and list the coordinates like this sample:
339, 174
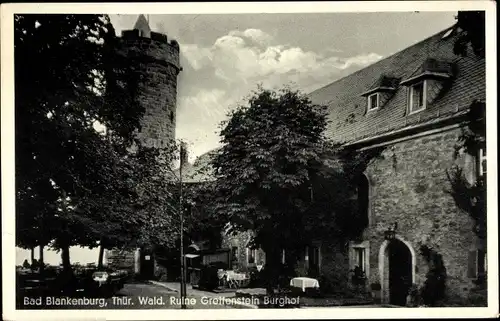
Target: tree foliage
76, 185
202, 220
471, 196
472, 32
279, 176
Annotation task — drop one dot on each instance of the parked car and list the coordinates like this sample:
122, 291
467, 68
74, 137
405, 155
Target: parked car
88, 281
95, 281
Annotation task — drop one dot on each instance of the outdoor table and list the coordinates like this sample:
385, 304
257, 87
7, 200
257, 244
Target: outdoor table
303, 283
236, 279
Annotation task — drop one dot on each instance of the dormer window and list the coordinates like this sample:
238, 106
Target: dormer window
427, 82
373, 101
417, 99
380, 92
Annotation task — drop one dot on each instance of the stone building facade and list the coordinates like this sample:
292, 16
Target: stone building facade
156, 60
243, 255
414, 105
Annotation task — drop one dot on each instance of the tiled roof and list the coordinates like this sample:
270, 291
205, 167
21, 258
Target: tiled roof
349, 120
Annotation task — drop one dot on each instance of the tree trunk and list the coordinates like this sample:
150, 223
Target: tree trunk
272, 268
32, 255
41, 263
101, 256
65, 258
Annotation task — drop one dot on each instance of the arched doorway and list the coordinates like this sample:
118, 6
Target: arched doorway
397, 270
400, 272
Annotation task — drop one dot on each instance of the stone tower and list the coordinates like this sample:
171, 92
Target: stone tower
156, 59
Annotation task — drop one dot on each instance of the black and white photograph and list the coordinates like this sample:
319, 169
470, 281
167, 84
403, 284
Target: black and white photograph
316, 161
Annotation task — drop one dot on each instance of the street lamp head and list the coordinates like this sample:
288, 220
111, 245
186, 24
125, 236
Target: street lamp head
390, 233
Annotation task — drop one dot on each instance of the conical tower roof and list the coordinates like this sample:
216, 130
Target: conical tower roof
142, 25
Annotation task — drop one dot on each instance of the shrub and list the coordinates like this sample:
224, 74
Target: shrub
478, 298
300, 270
358, 277
161, 273
256, 279
434, 288
415, 299
209, 278
332, 284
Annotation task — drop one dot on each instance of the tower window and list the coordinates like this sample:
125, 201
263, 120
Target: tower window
417, 97
373, 101
172, 116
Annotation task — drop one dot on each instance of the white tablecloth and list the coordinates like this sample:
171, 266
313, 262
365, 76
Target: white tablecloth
231, 275
303, 283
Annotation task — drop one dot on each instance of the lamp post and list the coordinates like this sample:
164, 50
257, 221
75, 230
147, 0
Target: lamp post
183, 259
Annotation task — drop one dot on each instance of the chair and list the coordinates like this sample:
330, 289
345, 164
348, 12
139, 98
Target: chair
231, 281
221, 274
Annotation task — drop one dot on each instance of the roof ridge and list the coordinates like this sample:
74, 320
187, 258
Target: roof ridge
381, 60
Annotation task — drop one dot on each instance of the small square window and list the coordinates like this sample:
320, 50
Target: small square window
417, 97
373, 101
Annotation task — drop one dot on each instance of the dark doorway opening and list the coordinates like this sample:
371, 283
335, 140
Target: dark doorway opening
147, 265
400, 272
313, 253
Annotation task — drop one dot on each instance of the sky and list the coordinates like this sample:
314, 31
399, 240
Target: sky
225, 57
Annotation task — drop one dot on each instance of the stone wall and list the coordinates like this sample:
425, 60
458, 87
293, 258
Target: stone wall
122, 260
240, 241
409, 187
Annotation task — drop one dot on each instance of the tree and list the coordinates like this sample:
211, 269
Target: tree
138, 205
472, 31
202, 220
274, 155
471, 196
76, 185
